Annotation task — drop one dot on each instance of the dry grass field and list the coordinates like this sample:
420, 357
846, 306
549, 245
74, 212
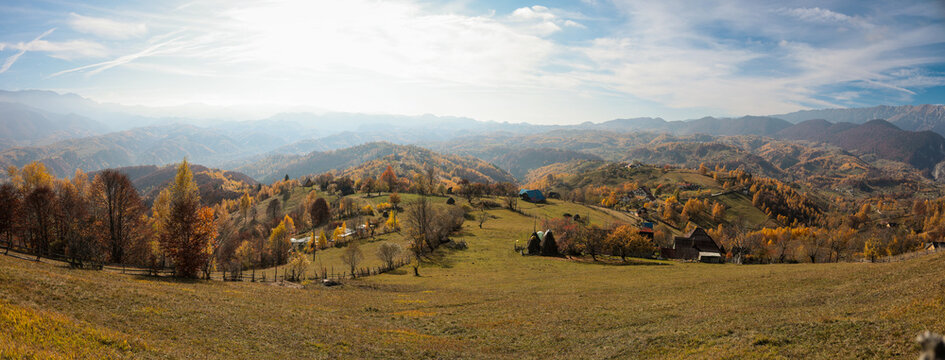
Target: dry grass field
483, 302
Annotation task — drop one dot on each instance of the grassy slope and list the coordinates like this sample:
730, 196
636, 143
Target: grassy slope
488, 301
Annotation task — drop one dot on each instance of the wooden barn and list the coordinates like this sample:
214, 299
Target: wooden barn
697, 245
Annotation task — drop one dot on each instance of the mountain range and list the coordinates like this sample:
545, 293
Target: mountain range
68, 132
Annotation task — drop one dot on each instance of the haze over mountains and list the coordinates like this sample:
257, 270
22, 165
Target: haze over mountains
68, 132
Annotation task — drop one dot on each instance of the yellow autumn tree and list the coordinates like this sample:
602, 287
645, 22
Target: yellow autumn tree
322, 240
392, 223
185, 230
872, 249
279, 243
245, 203
338, 233
718, 212
610, 200
289, 225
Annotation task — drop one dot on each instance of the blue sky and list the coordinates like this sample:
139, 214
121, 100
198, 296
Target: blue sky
540, 62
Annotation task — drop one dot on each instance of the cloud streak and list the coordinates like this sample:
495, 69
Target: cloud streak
12, 59
591, 60
105, 65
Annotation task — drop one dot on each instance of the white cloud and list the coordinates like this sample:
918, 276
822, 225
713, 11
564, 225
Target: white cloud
543, 21
407, 56
106, 28
819, 15
569, 23
536, 12
396, 39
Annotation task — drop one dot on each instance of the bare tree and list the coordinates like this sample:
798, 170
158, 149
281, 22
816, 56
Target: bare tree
430, 172
117, 204
352, 256
418, 220
483, 216
387, 252
594, 240
9, 212
39, 209
73, 223
274, 210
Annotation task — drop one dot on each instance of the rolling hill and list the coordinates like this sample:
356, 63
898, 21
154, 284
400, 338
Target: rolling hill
408, 160
213, 184
691, 154
372, 159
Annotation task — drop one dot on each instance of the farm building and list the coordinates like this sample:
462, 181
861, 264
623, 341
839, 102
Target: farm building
300, 244
934, 246
646, 229
645, 193
534, 196
697, 245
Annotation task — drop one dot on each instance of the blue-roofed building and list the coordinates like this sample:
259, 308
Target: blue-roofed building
534, 196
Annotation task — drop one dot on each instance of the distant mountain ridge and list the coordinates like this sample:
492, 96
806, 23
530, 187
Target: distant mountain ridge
68, 132
921, 149
24, 125
906, 117
141, 146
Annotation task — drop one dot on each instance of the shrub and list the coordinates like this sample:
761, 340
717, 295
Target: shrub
297, 265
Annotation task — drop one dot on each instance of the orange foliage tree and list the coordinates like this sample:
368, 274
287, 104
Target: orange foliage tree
186, 231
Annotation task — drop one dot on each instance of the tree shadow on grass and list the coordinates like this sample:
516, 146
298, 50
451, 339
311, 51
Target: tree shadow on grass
170, 279
617, 262
398, 271
441, 257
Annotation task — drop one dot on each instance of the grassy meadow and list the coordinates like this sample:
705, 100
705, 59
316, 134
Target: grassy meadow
484, 302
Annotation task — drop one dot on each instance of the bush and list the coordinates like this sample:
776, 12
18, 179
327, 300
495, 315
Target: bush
489, 204
297, 265
456, 245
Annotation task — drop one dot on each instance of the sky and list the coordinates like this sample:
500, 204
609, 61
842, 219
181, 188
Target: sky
548, 62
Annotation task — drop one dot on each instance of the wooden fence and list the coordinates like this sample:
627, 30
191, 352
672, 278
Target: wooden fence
906, 256
275, 274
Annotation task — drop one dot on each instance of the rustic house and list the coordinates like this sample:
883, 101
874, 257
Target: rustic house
646, 229
534, 196
645, 193
299, 244
697, 245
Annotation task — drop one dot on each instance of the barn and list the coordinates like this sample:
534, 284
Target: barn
534, 196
